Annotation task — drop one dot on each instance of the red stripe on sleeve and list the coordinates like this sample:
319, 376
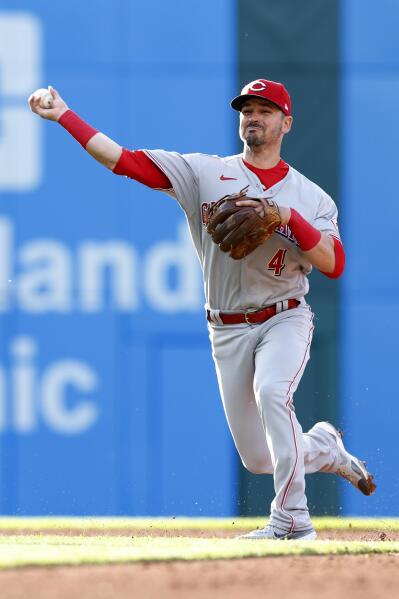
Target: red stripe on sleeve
339, 254
138, 166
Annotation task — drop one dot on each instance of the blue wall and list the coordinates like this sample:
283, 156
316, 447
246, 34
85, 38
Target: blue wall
108, 397
370, 212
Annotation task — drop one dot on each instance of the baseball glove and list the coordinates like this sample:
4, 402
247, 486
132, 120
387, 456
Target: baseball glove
239, 230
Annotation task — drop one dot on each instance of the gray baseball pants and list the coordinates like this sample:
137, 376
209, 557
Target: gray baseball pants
259, 368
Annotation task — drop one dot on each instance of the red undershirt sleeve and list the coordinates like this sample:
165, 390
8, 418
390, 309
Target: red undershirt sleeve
138, 166
339, 254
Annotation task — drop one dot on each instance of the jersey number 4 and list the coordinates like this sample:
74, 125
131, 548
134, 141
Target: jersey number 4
277, 262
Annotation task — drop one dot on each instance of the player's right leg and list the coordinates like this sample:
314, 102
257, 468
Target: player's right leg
233, 353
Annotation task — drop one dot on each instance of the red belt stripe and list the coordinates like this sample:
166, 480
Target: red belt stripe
251, 317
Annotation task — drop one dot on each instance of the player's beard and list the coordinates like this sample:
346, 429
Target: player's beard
256, 139
262, 136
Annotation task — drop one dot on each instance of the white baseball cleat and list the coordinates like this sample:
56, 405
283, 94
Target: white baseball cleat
350, 468
269, 533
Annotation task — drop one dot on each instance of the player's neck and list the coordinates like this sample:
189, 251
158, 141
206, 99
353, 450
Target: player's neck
262, 157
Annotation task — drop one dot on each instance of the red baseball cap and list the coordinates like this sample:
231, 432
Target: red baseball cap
269, 90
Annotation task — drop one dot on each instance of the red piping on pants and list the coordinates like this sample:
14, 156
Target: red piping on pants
293, 429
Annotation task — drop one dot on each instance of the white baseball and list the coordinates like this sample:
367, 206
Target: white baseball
46, 99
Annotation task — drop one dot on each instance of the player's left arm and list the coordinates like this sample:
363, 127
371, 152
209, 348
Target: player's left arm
323, 249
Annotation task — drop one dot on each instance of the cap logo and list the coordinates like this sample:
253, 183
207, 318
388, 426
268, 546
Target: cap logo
258, 86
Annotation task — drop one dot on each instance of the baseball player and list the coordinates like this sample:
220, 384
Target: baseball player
260, 324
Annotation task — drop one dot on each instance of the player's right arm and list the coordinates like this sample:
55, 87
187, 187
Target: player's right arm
101, 147
105, 150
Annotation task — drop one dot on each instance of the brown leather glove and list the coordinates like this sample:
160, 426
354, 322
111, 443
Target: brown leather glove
239, 230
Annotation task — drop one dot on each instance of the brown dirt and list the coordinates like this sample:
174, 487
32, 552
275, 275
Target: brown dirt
358, 577
315, 577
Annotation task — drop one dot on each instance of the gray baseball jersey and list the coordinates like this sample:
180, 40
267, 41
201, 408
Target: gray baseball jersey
275, 271
259, 367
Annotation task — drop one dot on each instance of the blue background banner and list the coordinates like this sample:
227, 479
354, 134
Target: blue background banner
369, 325
108, 397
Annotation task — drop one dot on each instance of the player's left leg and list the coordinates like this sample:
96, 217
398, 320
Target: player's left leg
280, 359
325, 452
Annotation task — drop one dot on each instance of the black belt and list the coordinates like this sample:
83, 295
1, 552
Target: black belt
252, 316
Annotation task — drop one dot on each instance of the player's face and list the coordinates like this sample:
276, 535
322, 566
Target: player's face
262, 123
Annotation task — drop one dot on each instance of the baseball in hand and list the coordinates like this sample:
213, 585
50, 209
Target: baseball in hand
46, 99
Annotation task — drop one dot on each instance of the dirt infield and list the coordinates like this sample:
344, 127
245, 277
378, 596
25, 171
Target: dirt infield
314, 577
359, 577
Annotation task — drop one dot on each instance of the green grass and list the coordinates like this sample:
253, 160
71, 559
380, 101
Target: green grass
16, 551
47, 545
228, 524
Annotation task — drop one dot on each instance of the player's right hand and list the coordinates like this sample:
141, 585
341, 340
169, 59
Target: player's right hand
52, 114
